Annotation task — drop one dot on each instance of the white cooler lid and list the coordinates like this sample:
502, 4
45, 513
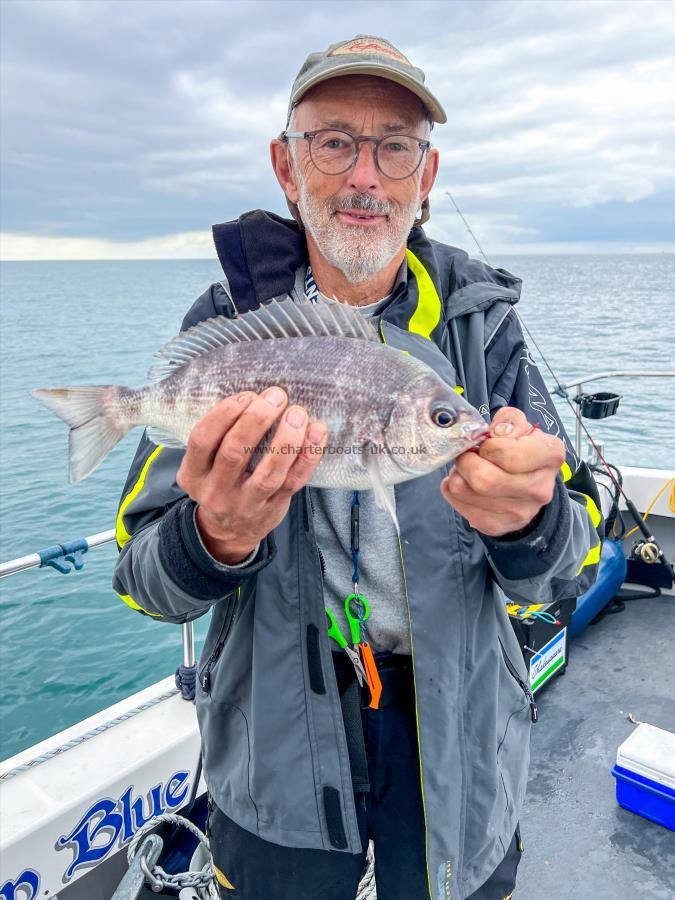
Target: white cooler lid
649, 751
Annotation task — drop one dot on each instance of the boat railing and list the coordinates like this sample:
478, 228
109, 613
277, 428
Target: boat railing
67, 557
563, 389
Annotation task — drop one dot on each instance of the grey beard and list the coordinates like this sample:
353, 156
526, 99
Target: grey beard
352, 250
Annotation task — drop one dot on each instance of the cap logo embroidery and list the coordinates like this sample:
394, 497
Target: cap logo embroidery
369, 46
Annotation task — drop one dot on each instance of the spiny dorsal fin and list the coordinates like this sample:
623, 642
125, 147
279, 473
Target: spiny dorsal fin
274, 320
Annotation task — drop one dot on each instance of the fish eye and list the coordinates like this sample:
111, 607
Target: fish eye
443, 416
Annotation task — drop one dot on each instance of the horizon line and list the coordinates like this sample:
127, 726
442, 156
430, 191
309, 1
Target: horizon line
576, 251
198, 245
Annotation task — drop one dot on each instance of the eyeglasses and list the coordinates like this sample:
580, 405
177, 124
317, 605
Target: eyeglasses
397, 156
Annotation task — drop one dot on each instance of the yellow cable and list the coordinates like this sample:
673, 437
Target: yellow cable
671, 503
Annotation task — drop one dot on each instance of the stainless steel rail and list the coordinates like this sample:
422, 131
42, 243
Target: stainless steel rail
35, 561
600, 376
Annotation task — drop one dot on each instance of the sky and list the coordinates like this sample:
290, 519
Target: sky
129, 127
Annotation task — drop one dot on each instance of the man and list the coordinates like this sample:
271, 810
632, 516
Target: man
300, 772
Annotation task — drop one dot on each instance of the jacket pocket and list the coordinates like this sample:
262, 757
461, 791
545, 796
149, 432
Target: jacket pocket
206, 668
524, 687
227, 756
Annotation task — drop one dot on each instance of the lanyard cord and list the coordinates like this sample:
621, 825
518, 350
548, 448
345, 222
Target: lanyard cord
358, 605
355, 539
312, 294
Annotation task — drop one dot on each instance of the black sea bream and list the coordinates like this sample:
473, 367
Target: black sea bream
390, 418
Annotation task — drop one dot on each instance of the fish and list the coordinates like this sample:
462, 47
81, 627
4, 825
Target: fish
390, 417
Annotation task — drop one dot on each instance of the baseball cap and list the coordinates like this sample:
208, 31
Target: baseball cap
364, 55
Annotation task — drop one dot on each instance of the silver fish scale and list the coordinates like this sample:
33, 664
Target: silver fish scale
350, 384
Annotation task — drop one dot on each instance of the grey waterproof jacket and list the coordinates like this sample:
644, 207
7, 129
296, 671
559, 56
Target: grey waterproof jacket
275, 755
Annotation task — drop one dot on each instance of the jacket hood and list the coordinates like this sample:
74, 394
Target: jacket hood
260, 253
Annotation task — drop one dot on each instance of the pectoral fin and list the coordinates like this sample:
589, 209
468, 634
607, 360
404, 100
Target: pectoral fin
382, 496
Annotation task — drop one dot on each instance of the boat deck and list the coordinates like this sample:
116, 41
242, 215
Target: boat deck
578, 842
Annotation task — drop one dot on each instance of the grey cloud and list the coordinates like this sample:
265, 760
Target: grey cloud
129, 120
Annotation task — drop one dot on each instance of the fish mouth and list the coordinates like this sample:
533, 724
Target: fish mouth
476, 433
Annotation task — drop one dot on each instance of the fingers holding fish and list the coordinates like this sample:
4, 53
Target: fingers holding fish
491, 513
289, 460
501, 488
304, 465
529, 453
241, 439
509, 422
483, 478
206, 437
236, 510
499, 518
275, 462
218, 450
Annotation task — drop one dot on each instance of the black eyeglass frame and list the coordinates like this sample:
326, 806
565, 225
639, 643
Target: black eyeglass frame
358, 140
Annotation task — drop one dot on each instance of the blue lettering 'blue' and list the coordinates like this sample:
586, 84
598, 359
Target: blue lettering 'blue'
128, 825
28, 879
173, 795
155, 807
107, 821
82, 837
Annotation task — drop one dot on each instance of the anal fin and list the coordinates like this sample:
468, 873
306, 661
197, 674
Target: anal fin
165, 438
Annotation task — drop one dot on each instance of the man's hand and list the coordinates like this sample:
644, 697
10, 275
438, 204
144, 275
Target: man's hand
237, 509
501, 488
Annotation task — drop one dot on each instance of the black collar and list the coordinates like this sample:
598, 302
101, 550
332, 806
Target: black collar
260, 253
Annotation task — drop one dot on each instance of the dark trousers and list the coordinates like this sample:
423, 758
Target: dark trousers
390, 814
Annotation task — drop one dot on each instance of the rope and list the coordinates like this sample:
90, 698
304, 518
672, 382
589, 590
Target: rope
158, 878
75, 742
669, 484
367, 890
186, 681
205, 879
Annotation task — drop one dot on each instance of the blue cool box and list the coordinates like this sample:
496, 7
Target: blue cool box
645, 774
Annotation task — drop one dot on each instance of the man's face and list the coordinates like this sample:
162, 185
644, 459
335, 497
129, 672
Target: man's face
359, 220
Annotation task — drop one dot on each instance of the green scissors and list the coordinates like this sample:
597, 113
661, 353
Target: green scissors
357, 610
335, 633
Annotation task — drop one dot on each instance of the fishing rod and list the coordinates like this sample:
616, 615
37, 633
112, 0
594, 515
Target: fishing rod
649, 551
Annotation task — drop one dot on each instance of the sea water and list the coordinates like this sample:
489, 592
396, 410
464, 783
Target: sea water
69, 646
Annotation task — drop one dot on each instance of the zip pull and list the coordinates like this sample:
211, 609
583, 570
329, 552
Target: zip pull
534, 713
525, 688
205, 677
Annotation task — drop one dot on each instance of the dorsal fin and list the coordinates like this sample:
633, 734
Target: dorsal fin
276, 319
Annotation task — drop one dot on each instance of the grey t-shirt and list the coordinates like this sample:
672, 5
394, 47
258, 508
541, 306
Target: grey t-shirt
380, 566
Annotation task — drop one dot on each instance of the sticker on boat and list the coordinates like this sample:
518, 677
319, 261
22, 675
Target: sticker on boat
548, 660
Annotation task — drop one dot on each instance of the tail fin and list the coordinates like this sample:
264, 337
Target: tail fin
94, 426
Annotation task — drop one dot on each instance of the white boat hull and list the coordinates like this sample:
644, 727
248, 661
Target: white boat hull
73, 811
